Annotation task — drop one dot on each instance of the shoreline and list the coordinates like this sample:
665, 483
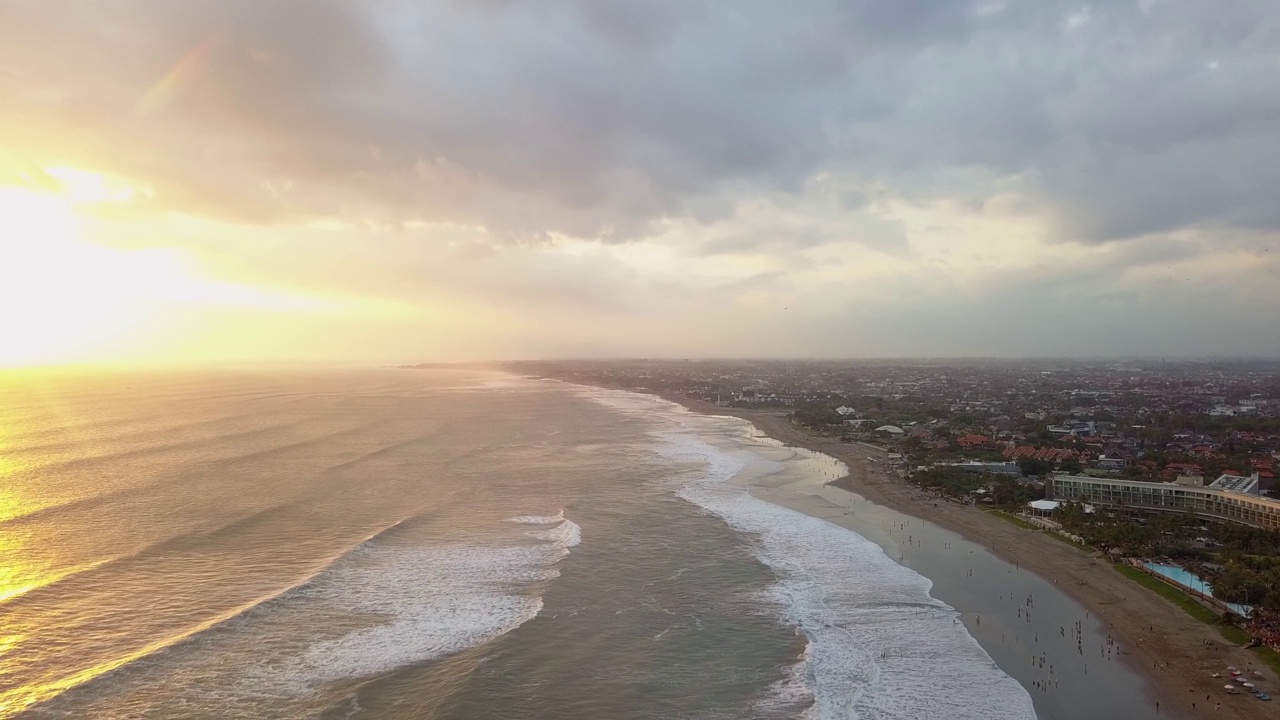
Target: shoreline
1175, 653
1009, 611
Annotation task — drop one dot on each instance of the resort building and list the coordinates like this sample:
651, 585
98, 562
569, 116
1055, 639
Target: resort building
1212, 503
977, 466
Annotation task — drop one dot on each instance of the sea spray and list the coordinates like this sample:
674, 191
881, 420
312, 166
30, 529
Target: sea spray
879, 645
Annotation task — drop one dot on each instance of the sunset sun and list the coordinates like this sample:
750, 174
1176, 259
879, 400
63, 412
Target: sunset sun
607, 359
69, 299
58, 292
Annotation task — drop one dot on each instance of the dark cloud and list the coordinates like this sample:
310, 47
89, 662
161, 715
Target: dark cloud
754, 241
791, 239
599, 119
1131, 299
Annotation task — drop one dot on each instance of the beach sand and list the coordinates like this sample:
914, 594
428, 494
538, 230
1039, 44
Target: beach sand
1032, 630
1174, 653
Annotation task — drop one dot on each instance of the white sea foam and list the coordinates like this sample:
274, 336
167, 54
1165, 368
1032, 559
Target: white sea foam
793, 694
537, 519
423, 602
565, 535
879, 646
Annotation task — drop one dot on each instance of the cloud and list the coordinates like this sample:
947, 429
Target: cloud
815, 149
606, 119
611, 116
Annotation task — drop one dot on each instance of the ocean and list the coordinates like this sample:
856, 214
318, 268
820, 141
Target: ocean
440, 544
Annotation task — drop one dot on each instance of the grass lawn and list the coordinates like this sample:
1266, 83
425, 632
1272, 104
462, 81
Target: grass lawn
1013, 519
1079, 546
1270, 657
1200, 612
1009, 517
1172, 594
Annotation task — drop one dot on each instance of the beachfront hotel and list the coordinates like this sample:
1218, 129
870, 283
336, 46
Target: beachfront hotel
1212, 503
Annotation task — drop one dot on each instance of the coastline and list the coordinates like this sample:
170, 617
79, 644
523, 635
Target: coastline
1173, 652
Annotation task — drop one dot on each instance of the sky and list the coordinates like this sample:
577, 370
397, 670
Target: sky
441, 180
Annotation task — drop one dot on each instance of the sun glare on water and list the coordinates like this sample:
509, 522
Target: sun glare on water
66, 299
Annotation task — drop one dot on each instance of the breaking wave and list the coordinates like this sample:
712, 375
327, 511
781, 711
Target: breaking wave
384, 603
537, 519
879, 645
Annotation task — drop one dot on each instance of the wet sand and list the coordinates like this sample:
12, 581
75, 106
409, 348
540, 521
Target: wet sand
1161, 649
1048, 642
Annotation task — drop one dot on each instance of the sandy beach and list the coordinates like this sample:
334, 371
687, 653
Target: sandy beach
1174, 652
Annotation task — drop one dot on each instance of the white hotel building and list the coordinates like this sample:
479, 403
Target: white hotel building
1211, 503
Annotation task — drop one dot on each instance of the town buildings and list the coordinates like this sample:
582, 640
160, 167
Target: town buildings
1211, 503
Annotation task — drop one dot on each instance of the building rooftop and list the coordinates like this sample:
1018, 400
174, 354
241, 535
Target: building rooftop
1256, 499
1247, 485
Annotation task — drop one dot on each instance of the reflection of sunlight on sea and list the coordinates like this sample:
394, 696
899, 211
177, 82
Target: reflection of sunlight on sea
186, 538
388, 602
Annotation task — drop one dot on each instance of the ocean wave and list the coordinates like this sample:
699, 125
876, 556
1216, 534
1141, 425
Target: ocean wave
792, 696
437, 601
382, 452
878, 644
53, 688
565, 535
71, 439
35, 591
127, 450
424, 602
142, 489
537, 519
397, 601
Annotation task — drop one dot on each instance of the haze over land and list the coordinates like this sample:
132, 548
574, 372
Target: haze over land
448, 181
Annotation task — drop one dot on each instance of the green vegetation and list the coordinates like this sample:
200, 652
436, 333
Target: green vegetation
1249, 579
1077, 545
1195, 609
1033, 467
1270, 657
1189, 604
951, 482
1014, 519
1004, 492
1246, 561
817, 416
1233, 634
1071, 467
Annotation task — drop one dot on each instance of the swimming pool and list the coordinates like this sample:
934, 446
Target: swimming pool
1194, 582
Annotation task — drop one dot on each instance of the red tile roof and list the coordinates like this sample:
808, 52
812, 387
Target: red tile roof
1048, 454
